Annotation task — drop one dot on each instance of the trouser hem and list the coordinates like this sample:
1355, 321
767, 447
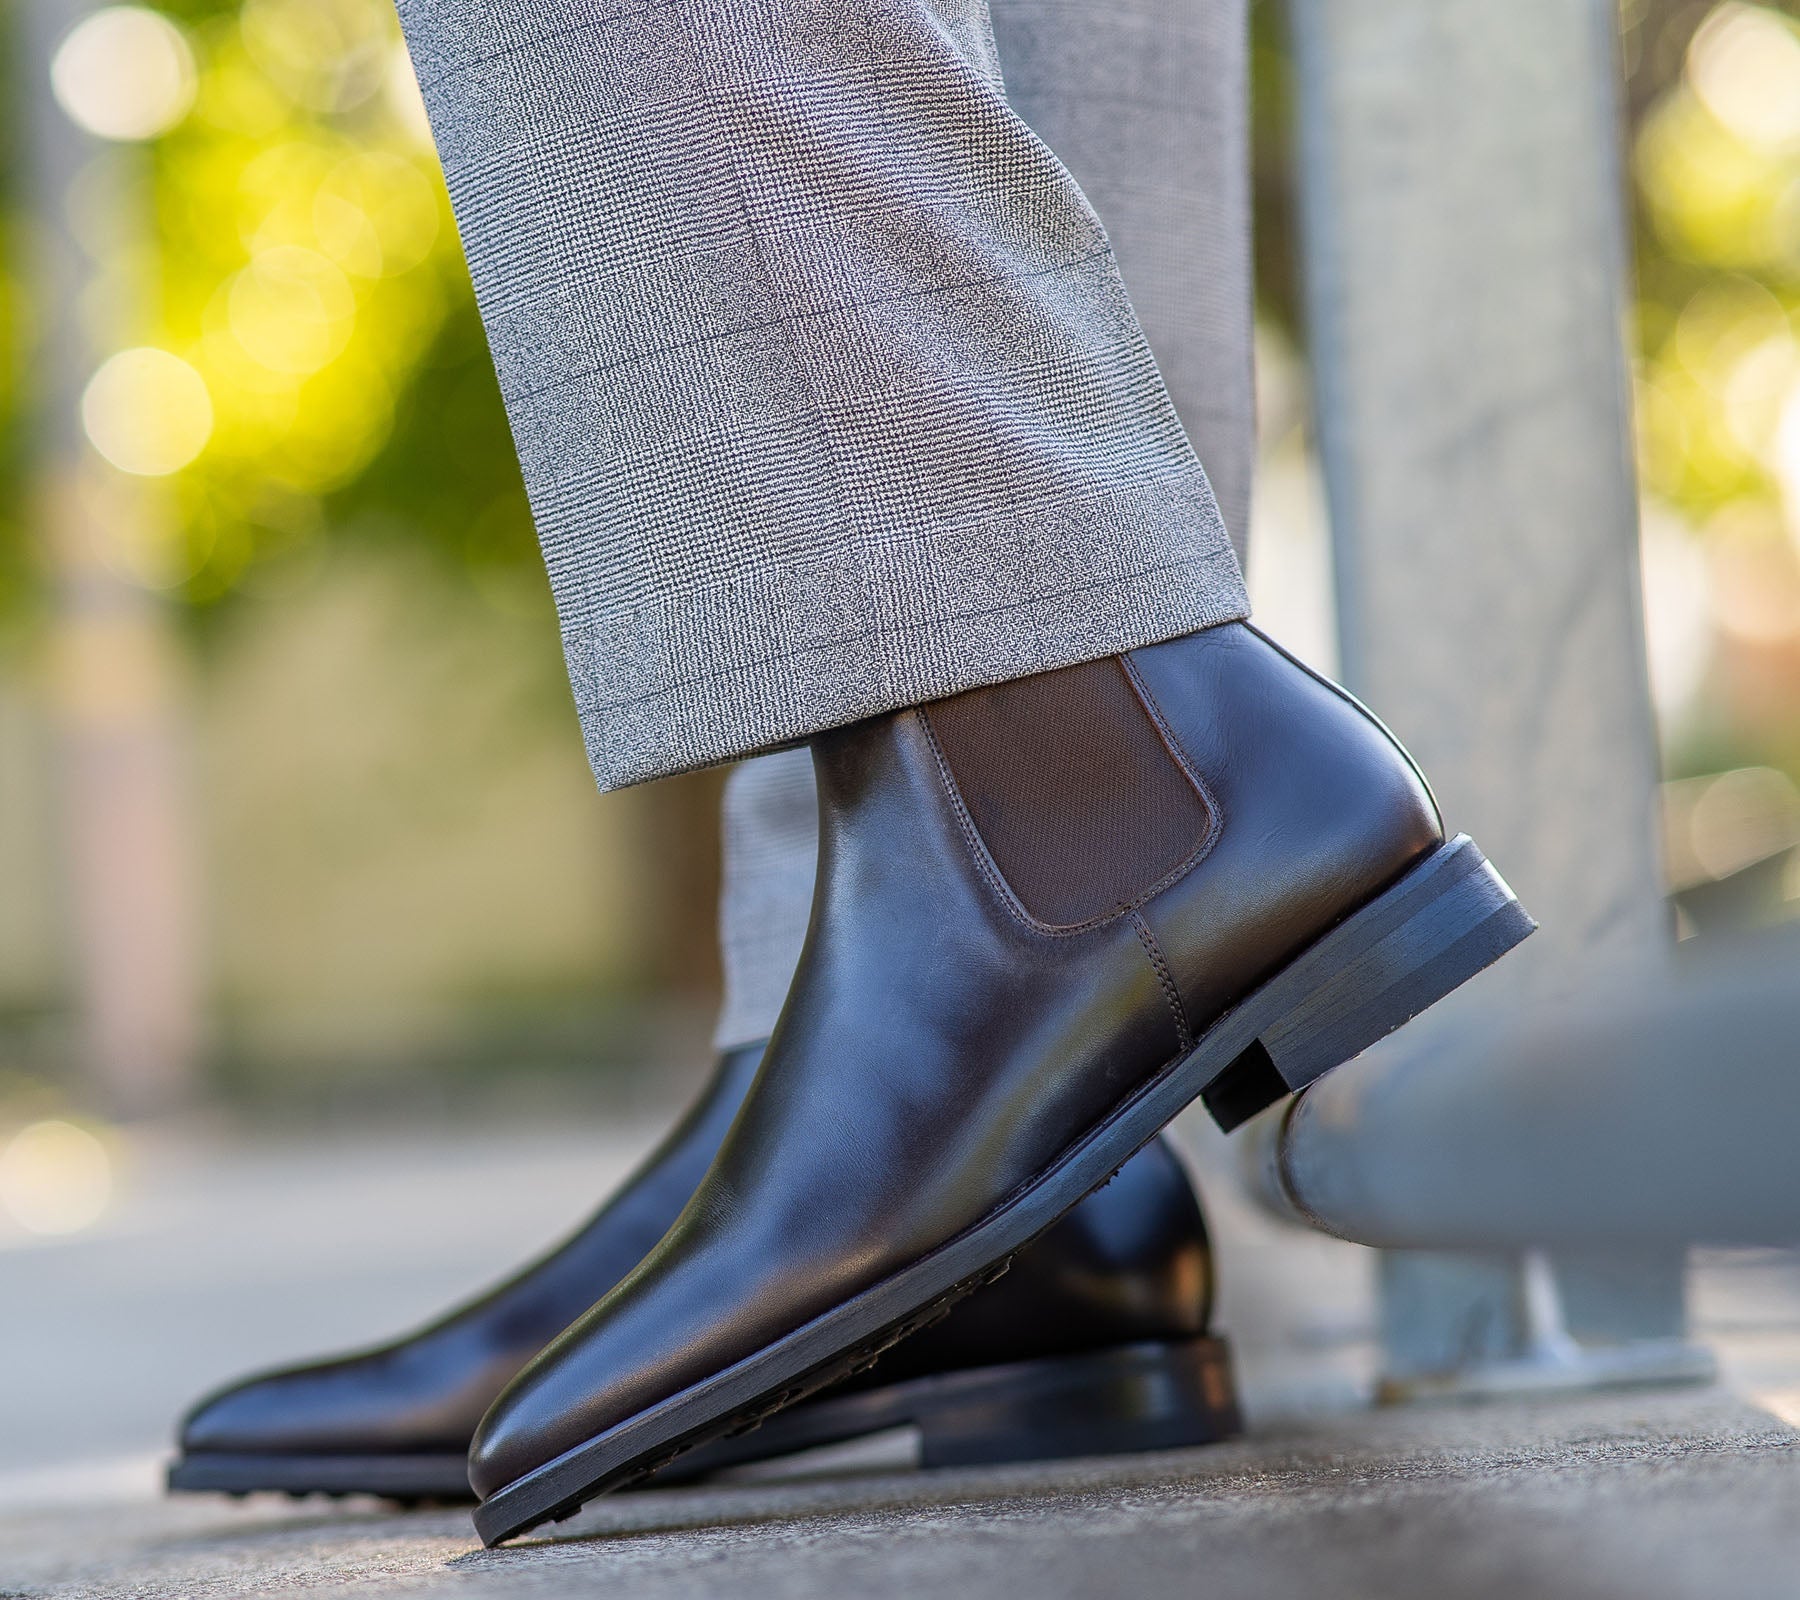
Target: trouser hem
747, 708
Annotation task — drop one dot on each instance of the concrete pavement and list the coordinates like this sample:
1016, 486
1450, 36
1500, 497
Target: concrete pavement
1647, 1496
222, 1254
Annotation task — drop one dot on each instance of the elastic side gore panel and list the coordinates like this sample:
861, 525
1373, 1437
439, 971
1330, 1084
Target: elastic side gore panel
1079, 801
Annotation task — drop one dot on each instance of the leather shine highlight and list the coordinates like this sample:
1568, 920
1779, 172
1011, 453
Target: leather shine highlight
426, 1392
937, 1053
1131, 1263
1289, 790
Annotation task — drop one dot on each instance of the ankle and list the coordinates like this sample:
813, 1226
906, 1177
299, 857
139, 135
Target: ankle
1073, 787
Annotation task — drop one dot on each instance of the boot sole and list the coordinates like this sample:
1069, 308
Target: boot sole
1438, 925
408, 1480
1151, 1395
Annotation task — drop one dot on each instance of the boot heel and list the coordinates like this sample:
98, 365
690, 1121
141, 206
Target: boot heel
1151, 1396
1448, 918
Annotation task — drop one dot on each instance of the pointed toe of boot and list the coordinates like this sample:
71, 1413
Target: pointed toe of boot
366, 1424
248, 1417
523, 1429
332, 1407
500, 1452
305, 1430
396, 1420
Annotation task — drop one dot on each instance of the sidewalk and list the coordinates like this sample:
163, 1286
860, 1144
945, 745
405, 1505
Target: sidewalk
224, 1256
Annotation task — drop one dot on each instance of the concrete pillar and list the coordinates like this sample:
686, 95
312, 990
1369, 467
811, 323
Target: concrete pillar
127, 857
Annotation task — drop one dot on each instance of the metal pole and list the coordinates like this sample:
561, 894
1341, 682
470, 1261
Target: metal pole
1465, 253
1641, 1117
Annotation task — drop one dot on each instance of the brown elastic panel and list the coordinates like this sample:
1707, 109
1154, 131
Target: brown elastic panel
1077, 798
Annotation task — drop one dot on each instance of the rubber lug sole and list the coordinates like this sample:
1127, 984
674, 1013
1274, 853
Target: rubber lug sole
1151, 1395
1443, 921
437, 1479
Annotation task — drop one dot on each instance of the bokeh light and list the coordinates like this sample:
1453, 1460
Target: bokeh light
404, 100
1742, 817
55, 1178
147, 411
1717, 161
124, 73
375, 215
1744, 64
291, 310
325, 55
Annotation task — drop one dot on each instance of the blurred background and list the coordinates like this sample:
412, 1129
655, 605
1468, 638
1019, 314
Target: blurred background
297, 839
292, 810
293, 814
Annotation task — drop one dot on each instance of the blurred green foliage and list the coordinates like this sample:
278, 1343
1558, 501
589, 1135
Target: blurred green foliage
318, 281
1717, 160
321, 285
305, 263
1715, 156
16, 566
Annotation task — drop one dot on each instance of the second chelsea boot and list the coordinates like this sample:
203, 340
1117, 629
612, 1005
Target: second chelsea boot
1097, 1342
1049, 914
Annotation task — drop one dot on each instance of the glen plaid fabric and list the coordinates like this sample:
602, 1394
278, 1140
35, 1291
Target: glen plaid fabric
1145, 102
826, 389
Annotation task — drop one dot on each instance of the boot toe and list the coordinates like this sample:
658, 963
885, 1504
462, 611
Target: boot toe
268, 1414
380, 1403
513, 1438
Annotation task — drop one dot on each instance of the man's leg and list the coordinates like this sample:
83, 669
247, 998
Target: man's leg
1097, 1340
832, 405
826, 388
1146, 103
770, 823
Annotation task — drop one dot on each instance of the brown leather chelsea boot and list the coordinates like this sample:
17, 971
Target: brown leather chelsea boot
1096, 1343
1049, 915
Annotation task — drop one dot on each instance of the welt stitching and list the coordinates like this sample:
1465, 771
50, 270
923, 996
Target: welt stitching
984, 863
1215, 813
1183, 1033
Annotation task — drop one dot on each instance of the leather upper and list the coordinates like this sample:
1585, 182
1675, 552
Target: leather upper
426, 1392
939, 1049
1314, 795
1130, 1263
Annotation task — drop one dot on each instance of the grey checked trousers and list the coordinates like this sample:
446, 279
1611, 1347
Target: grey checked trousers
1145, 102
825, 383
